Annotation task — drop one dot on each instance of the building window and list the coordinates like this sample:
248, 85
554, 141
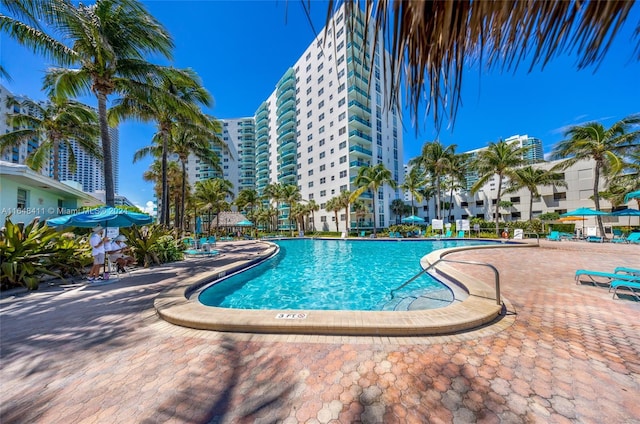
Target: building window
310, 184
323, 193
321, 142
323, 180
310, 172
321, 130
322, 167
342, 116
342, 145
22, 199
309, 149
559, 196
342, 130
321, 117
479, 203
320, 92
322, 155
321, 104
310, 160
343, 159
320, 79
464, 204
343, 174
515, 200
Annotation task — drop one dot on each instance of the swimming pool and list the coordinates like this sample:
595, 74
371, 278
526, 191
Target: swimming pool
336, 275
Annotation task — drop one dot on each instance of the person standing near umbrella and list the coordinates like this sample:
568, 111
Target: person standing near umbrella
97, 242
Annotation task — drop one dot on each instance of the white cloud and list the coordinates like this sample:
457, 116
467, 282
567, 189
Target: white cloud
150, 208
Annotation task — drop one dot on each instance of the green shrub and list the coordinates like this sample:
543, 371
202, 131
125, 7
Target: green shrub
152, 244
25, 253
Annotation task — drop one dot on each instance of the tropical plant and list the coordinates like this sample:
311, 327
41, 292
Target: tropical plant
333, 205
55, 124
175, 103
436, 161
414, 181
359, 210
313, 207
607, 147
457, 178
372, 178
432, 42
26, 253
150, 244
108, 42
174, 178
212, 195
397, 208
344, 200
247, 199
290, 195
499, 159
532, 178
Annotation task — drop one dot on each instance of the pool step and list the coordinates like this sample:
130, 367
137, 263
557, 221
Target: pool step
419, 300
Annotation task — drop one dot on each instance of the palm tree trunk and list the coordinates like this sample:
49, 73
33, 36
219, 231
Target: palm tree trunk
374, 213
530, 205
438, 197
498, 204
184, 195
165, 186
596, 196
56, 160
107, 161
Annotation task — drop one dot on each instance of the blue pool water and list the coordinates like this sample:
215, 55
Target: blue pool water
330, 275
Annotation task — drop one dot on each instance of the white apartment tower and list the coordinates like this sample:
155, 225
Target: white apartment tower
327, 118
89, 171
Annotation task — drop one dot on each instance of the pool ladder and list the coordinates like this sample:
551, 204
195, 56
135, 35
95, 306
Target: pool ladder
431, 266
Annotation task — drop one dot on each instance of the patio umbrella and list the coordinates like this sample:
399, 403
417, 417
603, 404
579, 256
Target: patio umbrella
244, 223
627, 212
572, 218
105, 216
632, 195
584, 212
413, 220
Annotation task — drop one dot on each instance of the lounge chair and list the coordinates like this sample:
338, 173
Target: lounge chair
620, 273
363, 233
631, 286
197, 253
554, 236
595, 239
461, 234
631, 238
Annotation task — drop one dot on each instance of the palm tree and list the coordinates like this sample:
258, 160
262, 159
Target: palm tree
290, 195
606, 146
397, 208
432, 41
247, 199
108, 42
457, 176
313, 207
214, 194
531, 178
435, 159
154, 175
54, 124
176, 102
372, 178
359, 210
333, 205
499, 159
344, 200
413, 182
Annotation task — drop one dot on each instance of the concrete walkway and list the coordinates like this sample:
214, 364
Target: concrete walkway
99, 354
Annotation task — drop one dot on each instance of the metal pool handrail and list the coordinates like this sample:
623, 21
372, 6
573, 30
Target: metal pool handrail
424, 271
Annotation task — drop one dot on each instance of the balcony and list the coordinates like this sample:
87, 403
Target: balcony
355, 106
286, 124
288, 80
359, 123
360, 152
285, 95
358, 164
286, 113
355, 136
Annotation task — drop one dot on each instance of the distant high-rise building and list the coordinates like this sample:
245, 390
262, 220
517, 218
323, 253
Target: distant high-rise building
89, 171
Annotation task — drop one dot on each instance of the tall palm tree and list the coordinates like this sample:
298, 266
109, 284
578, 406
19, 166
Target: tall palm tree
290, 195
313, 207
214, 194
344, 200
499, 159
532, 178
247, 199
413, 182
333, 205
435, 159
154, 175
107, 42
397, 208
456, 176
360, 210
176, 102
606, 146
54, 124
432, 41
372, 178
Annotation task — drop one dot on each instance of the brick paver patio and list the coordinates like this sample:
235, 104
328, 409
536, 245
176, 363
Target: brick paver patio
99, 354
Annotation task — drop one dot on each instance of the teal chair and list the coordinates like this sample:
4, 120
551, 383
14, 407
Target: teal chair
554, 236
631, 238
461, 234
363, 233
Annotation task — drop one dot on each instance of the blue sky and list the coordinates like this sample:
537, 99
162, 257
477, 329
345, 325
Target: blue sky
240, 49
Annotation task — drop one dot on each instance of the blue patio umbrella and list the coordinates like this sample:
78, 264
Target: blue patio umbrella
244, 223
584, 212
632, 195
413, 220
105, 216
627, 212
198, 225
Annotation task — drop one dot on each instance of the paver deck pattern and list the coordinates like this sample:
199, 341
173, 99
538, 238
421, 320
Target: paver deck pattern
84, 353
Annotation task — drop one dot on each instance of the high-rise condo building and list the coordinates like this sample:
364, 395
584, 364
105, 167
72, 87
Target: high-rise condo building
328, 117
